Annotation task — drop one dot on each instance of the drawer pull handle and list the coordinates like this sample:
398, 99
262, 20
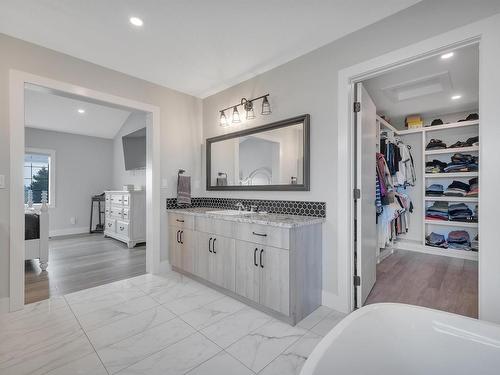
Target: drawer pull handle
255, 257
213, 246
210, 244
122, 228
261, 264
259, 234
179, 220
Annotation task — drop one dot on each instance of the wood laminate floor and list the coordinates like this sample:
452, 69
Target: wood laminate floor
438, 282
82, 262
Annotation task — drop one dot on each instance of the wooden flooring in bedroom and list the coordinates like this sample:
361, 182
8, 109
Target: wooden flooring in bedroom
82, 262
438, 282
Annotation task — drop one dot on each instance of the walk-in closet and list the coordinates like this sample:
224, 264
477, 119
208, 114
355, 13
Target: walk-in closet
417, 170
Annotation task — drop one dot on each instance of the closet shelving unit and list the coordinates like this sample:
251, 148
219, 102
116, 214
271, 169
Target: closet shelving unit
429, 178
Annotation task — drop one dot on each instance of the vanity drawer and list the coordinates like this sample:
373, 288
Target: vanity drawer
181, 221
122, 228
256, 233
263, 234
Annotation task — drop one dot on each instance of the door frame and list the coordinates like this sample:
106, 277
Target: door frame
346, 170
17, 81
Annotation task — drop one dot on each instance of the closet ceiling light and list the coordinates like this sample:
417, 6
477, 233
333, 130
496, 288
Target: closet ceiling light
136, 21
447, 55
81, 111
456, 97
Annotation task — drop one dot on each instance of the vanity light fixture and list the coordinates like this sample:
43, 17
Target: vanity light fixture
223, 119
236, 116
266, 107
249, 109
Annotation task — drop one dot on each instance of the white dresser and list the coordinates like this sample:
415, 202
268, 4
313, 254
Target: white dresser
126, 216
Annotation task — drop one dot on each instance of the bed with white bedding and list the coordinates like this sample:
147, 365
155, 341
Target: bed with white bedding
36, 235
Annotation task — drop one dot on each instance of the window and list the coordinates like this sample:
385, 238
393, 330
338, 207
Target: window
39, 174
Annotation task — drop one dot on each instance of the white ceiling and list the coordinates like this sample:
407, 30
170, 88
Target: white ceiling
426, 87
44, 110
195, 46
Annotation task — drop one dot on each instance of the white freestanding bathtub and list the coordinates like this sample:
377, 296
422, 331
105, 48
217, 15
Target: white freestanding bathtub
390, 339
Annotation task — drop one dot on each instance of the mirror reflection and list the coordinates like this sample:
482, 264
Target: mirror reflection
268, 157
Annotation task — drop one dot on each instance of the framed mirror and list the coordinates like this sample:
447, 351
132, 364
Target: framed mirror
269, 157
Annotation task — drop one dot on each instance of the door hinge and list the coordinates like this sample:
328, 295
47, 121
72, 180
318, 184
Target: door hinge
356, 193
357, 106
357, 280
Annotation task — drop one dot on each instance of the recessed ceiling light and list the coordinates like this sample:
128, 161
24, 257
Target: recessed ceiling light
81, 111
456, 97
136, 21
447, 55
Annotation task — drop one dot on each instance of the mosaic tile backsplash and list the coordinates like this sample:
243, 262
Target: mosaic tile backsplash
273, 206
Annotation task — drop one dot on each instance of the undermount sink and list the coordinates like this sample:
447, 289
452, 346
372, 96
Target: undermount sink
230, 212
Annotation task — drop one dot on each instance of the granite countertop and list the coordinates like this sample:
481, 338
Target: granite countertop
277, 220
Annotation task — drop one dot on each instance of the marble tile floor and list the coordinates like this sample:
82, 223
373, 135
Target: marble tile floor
153, 324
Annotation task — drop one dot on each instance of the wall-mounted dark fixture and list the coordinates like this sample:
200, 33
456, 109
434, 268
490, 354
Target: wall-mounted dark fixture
249, 109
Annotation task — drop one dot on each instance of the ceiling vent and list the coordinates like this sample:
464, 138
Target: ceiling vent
417, 88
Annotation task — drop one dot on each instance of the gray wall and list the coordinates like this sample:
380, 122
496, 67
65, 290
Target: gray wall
180, 119
309, 84
135, 121
84, 167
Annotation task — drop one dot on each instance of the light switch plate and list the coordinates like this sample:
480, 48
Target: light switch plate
2, 181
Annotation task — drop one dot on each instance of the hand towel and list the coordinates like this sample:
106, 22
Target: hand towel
184, 190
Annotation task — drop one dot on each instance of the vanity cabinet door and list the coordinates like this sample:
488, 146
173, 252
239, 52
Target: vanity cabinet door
202, 254
187, 245
222, 262
247, 270
275, 279
174, 247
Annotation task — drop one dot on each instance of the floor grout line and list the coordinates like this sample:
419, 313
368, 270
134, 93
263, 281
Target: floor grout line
88, 338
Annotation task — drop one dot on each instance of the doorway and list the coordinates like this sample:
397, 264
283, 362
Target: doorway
426, 251
18, 81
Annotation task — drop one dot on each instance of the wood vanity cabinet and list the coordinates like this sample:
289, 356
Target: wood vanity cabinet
276, 269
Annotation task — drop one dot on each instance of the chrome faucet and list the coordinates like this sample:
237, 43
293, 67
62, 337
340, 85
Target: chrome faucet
240, 206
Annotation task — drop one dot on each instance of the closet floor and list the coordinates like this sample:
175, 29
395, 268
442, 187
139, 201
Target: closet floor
438, 282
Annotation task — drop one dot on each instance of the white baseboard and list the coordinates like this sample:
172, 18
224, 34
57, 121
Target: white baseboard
335, 302
4, 305
164, 267
68, 231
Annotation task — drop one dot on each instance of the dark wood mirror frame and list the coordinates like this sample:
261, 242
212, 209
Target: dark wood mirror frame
304, 119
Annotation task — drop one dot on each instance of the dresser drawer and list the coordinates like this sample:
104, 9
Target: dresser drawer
110, 225
116, 199
122, 228
126, 200
181, 221
125, 214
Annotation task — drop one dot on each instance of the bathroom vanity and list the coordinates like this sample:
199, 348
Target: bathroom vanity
271, 262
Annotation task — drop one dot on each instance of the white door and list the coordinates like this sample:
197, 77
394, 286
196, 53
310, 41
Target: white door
366, 227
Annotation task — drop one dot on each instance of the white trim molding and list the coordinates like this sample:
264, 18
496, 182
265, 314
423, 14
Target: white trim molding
17, 82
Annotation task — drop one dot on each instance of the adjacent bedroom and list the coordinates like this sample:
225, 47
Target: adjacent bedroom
84, 193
